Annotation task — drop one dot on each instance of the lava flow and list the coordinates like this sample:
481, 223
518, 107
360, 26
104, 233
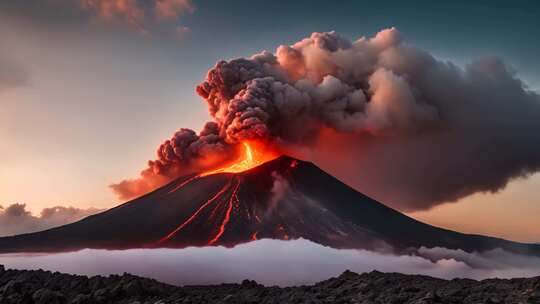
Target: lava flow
251, 158
221, 204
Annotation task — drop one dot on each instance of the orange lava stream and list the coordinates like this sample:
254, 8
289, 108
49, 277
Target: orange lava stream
251, 158
195, 214
227, 216
254, 236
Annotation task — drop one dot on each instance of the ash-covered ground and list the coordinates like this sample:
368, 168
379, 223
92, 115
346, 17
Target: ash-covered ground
44, 287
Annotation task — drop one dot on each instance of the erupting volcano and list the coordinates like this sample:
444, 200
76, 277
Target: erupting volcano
250, 159
256, 197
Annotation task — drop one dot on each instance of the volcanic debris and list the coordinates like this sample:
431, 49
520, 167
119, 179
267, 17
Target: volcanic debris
45, 287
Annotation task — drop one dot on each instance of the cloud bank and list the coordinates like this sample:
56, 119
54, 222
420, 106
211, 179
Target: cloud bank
272, 262
15, 219
411, 130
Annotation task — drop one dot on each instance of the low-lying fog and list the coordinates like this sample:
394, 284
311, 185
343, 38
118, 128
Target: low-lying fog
274, 262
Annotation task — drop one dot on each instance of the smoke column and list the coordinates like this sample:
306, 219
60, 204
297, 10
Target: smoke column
411, 130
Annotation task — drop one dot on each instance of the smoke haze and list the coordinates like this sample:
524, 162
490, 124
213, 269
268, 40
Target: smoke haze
275, 262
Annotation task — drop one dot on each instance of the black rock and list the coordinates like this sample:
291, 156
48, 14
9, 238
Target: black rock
46, 296
37, 287
20, 286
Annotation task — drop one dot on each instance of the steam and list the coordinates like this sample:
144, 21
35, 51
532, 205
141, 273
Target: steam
15, 219
411, 131
280, 186
264, 261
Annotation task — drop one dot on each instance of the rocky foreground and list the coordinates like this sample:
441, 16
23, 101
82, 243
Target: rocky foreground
44, 287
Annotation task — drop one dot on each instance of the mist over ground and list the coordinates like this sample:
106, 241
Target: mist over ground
275, 262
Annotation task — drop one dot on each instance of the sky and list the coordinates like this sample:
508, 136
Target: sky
89, 90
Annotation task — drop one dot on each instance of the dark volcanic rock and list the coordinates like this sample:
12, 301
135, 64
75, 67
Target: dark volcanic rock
38, 286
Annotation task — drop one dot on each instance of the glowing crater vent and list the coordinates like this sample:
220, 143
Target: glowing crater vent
251, 158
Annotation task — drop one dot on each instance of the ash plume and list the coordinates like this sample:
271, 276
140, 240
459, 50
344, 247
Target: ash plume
410, 130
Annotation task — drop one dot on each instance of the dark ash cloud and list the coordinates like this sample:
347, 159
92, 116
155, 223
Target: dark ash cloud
15, 219
409, 129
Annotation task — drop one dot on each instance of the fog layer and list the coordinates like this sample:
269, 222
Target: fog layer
274, 262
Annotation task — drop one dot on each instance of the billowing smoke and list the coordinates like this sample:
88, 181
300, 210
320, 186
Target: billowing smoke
15, 219
410, 130
324, 81
266, 262
184, 153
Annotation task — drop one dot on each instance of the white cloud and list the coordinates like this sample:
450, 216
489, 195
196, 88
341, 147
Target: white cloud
267, 261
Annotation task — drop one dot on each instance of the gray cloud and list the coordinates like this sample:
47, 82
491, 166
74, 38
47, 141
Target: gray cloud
271, 262
15, 219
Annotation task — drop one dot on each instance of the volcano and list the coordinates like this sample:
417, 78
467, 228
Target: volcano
284, 198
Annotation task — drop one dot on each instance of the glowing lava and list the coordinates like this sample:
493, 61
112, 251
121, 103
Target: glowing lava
222, 204
251, 158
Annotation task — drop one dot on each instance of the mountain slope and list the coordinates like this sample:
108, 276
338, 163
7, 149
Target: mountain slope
284, 198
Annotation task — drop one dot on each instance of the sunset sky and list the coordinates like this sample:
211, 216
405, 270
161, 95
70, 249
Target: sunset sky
89, 90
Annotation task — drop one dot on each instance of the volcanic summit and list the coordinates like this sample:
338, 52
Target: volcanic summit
284, 198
